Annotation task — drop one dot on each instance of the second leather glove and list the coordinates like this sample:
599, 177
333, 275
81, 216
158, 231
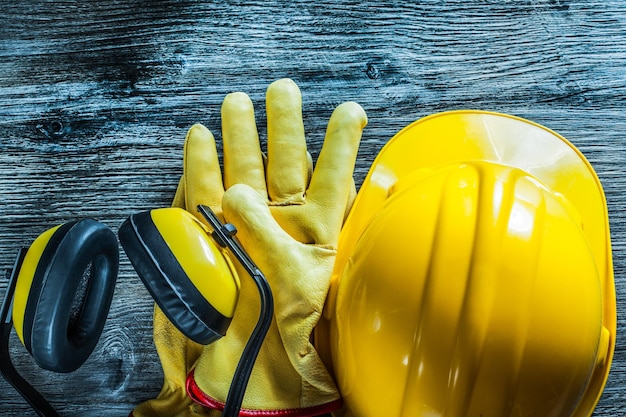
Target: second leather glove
289, 222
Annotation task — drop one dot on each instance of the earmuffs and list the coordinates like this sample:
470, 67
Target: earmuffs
61, 289
65, 284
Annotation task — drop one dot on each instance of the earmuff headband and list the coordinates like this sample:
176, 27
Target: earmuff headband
224, 236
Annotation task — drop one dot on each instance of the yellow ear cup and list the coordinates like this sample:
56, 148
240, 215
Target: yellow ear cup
59, 330
26, 276
189, 277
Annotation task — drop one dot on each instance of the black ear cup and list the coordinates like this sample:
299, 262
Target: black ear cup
66, 309
167, 281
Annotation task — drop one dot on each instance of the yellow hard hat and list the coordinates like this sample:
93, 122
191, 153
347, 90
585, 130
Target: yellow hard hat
474, 276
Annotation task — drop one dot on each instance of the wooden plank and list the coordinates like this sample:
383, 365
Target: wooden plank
95, 99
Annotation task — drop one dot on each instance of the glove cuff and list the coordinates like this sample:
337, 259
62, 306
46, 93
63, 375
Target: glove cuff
196, 394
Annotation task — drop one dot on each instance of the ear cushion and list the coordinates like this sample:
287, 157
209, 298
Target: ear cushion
59, 333
170, 286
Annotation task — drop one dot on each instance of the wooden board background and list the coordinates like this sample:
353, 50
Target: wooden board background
96, 97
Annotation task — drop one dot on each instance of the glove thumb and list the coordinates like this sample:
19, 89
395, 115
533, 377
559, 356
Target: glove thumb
301, 271
257, 230
288, 370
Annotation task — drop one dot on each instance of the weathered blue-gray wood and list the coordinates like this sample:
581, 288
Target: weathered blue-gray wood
96, 96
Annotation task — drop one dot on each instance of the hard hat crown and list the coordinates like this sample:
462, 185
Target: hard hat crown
472, 292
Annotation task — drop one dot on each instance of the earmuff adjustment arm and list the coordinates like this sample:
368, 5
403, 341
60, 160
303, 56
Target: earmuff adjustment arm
224, 233
8, 371
227, 230
221, 232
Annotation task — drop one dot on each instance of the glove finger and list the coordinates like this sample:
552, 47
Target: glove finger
201, 170
287, 170
332, 180
243, 159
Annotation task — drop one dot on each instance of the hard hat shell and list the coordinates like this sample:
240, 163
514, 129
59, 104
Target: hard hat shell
474, 275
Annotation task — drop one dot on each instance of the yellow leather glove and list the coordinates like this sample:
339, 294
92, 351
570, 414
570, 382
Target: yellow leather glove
296, 252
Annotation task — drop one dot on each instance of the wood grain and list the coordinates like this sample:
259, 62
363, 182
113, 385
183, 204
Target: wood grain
95, 99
